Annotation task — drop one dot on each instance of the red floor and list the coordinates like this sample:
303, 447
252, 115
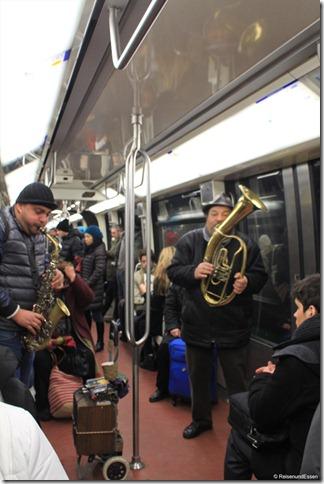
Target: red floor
164, 452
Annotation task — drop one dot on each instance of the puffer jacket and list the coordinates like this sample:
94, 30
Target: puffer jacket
94, 272
25, 452
287, 399
72, 246
228, 326
18, 281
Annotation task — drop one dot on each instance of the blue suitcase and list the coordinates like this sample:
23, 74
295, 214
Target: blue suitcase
179, 385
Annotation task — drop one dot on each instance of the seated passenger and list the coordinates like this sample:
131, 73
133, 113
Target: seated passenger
172, 319
25, 452
283, 395
139, 289
140, 280
76, 333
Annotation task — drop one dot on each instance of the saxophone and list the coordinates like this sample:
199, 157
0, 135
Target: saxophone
51, 308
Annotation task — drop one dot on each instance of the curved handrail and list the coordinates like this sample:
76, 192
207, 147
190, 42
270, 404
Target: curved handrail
121, 59
130, 234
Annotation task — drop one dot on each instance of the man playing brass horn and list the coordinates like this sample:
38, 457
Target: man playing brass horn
22, 261
206, 326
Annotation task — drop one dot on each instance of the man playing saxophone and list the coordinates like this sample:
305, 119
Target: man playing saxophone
226, 326
22, 262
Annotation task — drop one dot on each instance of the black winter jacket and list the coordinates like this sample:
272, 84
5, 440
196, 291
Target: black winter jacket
229, 326
94, 271
18, 282
71, 246
173, 307
287, 398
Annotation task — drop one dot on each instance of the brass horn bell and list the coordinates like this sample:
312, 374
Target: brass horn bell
217, 287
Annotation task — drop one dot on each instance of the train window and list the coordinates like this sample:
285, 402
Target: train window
180, 207
176, 216
272, 308
169, 234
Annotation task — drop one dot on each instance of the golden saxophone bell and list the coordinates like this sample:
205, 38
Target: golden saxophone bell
217, 287
39, 342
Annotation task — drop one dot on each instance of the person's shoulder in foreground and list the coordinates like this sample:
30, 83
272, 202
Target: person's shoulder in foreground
25, 452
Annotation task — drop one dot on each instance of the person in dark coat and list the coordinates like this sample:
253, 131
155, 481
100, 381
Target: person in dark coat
161, 284
283, 395
312, 458
111, 267
94, 271
23, 261
204, 327
172, 319
72, 246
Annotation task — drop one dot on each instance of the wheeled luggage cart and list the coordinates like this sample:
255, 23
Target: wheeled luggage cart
95, 431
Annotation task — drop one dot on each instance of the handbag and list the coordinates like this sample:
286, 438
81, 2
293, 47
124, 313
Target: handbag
60, 392
239, 418
77, 361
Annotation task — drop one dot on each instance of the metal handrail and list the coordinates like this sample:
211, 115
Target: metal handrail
129, 247
136, 462
121, 59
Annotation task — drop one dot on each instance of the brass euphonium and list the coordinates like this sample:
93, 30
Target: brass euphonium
51, 308
217, 287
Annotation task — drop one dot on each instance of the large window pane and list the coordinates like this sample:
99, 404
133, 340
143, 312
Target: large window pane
176, 216
272, 307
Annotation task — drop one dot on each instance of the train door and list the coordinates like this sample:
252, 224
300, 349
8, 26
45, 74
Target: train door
289, 239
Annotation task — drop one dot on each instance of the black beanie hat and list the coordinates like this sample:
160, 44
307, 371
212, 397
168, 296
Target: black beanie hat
63, 225
37, 194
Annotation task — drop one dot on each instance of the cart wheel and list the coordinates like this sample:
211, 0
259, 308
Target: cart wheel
115, 469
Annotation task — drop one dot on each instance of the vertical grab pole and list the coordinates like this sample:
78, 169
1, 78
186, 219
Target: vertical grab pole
136, 462
121, 60
147, 166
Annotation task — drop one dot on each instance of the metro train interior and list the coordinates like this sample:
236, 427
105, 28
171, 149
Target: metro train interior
158, 106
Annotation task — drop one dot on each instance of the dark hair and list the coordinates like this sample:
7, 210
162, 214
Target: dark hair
143, 252
308, 291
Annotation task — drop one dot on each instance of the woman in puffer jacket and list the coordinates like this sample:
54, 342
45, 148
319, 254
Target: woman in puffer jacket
94, 271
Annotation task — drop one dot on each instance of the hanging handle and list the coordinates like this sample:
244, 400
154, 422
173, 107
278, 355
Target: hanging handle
121, 59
